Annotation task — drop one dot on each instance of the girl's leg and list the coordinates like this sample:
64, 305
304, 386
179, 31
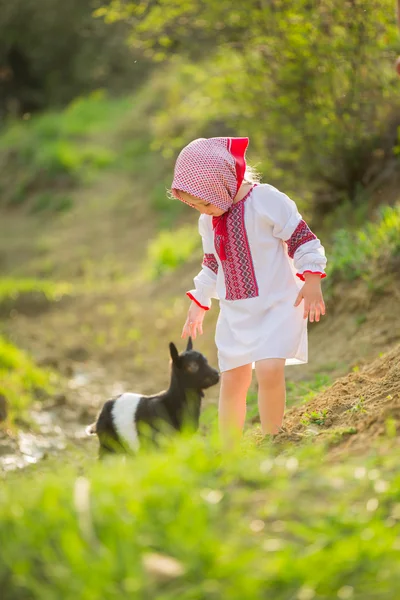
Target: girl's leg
232, 403
271, 393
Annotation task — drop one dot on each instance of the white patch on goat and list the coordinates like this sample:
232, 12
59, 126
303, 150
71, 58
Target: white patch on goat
123, 414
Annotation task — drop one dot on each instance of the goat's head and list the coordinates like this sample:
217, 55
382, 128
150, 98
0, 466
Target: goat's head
192, 368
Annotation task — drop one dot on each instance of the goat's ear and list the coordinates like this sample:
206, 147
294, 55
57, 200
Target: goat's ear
189, 344
174, 354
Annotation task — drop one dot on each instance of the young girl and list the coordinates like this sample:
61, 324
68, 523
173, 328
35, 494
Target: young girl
263, 264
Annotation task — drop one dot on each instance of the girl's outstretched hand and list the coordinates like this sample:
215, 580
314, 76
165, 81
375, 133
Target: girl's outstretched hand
311, 293
194, 321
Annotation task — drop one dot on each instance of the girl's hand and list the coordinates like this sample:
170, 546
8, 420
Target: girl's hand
194, 321
311, 293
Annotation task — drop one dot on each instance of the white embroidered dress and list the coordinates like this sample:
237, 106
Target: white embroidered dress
268, 248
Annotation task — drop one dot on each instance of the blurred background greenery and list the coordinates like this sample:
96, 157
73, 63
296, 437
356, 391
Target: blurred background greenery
96, 100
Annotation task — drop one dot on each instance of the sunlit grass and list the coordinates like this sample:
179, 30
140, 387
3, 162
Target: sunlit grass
10, 288
189, 523
21, 381
63, 148
171, 249
355, 254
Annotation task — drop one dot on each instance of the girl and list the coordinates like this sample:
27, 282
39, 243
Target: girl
261, 261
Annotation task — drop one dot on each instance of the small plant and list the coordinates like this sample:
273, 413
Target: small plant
360, 319
315, 417
358, 407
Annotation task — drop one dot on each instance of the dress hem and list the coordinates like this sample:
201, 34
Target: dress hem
290, 362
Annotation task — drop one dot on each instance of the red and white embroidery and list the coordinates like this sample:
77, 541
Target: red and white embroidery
301, 235
210, 261
240, 278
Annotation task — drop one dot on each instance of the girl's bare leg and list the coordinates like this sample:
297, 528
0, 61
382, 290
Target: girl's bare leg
232, 403
271, 393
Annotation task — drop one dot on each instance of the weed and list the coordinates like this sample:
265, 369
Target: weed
315, 417
358, 407
360, 319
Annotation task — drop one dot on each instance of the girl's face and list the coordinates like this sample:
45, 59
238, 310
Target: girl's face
205, 208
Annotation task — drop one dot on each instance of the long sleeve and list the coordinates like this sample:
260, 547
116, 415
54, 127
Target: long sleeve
205, 282
303, 246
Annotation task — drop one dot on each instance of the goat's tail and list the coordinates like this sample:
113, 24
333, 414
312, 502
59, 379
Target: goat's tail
91, 429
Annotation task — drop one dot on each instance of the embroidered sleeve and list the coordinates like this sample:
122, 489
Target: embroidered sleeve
210, 261
304, 247
206, 281
301, 235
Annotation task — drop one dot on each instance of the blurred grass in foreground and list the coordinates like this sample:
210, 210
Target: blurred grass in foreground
186, 523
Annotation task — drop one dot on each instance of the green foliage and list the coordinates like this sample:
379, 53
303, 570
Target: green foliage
52, 51
355, 254
313, 84
171, 249
185, 523
60, 149
20, 379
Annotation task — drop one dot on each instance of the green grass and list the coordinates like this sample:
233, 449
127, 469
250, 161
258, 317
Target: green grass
21, 381
170, 249
32, 295
356, 254
185, 523
10, 288
296, 392
62, 149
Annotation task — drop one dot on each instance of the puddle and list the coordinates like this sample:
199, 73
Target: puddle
28, 448
56, 426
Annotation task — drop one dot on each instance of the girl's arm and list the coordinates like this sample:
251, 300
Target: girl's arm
206, 281
303, 246
205, 284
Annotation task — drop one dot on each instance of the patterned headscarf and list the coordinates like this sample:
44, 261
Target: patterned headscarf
211, 169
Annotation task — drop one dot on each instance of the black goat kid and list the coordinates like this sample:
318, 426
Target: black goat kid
126, 421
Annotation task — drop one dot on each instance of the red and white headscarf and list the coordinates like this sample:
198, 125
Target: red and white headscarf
211, 169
